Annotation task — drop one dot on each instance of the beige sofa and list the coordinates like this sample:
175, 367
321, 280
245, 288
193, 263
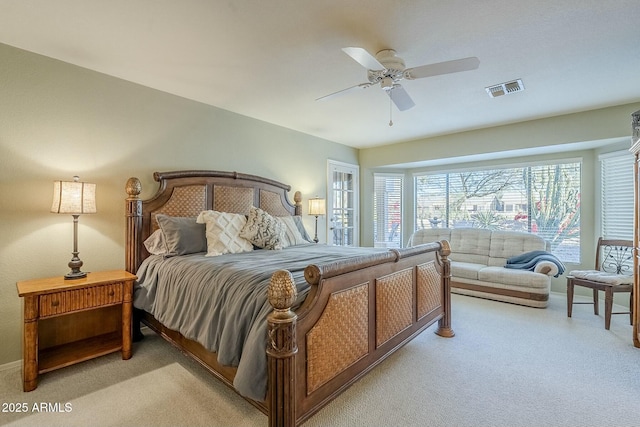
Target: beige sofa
478, 257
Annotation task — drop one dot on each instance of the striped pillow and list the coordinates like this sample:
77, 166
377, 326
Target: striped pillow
292, 235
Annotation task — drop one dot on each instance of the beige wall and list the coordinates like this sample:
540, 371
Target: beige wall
58, 120
594, 125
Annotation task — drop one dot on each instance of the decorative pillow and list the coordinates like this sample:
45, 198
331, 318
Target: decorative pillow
155, 243
182, 235
223, 233
292, 235
263, 230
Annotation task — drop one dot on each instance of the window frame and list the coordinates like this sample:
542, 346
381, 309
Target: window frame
448, 175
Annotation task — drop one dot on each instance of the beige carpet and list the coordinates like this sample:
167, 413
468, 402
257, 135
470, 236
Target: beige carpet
507, 366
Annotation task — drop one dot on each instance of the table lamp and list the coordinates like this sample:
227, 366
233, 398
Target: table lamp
75, 198
317, 207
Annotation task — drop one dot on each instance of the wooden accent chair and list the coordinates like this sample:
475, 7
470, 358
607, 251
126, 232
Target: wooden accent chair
613, 273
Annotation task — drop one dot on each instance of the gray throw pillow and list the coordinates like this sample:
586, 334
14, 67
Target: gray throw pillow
182, 235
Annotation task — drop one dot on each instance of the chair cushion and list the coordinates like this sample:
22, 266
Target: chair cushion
602, 277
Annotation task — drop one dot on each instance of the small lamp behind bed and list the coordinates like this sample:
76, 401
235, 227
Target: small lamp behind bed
317, 207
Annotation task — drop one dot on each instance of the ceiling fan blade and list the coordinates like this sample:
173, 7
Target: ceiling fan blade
455, 66
363, 58
345, 91
400, 97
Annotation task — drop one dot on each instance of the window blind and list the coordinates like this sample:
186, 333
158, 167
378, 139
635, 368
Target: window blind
617, 195
387, 215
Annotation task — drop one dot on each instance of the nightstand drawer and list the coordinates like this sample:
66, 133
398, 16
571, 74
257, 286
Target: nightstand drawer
80, 299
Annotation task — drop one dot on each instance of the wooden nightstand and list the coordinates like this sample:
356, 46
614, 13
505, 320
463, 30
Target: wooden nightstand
70, 321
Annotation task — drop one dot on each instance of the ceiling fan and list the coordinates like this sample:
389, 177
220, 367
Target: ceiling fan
387, 70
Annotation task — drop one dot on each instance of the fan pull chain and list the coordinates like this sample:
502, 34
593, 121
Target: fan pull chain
390, 110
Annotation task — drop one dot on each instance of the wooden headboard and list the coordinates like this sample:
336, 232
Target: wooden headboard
187, 193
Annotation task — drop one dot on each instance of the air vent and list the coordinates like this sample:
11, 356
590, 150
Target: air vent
505, 88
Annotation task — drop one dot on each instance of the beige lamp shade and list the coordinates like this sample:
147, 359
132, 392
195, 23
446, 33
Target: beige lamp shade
74, 197
317, 206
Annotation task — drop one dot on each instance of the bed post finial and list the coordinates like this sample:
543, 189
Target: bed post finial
282, 348
133, 187
134, 224
444, 324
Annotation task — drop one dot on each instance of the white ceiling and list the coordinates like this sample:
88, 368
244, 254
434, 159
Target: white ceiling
270, 59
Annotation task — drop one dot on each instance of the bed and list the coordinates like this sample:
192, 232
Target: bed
318, 317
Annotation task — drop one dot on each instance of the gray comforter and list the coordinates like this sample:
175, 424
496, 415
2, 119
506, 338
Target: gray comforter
221, 301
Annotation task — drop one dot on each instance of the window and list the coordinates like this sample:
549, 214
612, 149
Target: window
541, 199
387, 210
617, 195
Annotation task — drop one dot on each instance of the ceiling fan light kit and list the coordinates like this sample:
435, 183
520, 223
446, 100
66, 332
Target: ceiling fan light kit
386, 83
387, 70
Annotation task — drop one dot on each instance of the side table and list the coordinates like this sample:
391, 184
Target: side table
70, 321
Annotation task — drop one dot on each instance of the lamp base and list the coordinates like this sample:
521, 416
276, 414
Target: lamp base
75, 265
75, 275
315, 238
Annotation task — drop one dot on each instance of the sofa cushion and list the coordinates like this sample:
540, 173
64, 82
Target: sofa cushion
466, 270
428, 235
470, 245
506, 244
513, 277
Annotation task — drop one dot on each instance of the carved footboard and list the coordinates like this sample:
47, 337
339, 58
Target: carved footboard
358, 312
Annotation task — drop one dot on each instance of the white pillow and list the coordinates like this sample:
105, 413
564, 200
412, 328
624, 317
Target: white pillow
223, 232
292, 235
263, 230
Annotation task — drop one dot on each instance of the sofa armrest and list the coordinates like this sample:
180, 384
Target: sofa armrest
546, 267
